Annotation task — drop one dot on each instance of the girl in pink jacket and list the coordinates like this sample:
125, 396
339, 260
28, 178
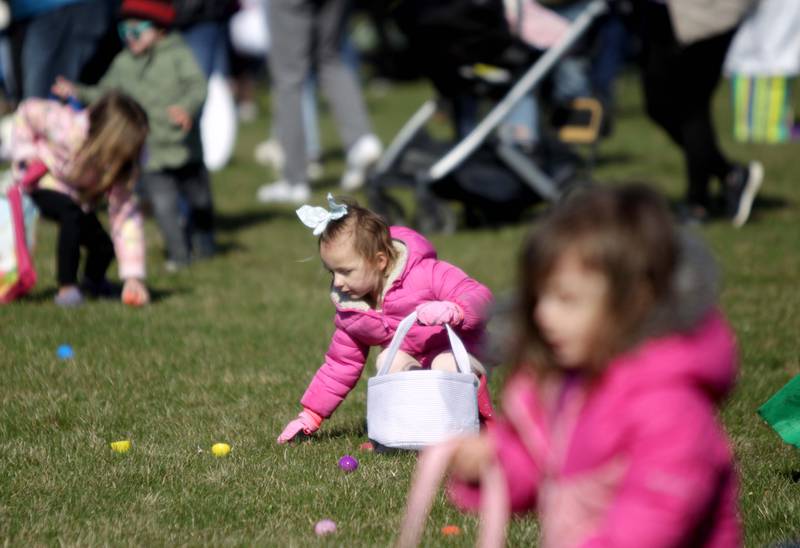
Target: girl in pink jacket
380, 275
610, 427
68, 161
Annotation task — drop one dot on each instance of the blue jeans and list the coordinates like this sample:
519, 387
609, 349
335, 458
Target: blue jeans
60, 42
209, 43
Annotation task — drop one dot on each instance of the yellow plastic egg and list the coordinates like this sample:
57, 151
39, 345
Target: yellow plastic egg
121, 446
220, 449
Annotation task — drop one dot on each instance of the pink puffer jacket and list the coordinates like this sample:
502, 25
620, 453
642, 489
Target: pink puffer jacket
637, 458
418, 276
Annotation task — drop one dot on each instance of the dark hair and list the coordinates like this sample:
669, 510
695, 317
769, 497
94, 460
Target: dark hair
627, 235
370, 232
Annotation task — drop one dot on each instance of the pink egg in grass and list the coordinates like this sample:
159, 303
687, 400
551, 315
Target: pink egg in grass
325, 527
348, 463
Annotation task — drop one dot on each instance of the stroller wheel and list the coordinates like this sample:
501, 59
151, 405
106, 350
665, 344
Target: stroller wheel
574, 185
387, 207
435, 216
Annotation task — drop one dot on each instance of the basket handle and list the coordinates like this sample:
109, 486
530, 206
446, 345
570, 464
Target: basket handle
431, 470
459, 351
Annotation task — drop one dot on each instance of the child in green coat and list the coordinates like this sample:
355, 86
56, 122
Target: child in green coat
159, 71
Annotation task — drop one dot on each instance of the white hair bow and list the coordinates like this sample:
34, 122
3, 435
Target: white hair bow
319, 217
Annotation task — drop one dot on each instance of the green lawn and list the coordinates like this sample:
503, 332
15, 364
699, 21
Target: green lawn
226, 349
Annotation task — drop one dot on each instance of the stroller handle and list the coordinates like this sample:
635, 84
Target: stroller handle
532, 78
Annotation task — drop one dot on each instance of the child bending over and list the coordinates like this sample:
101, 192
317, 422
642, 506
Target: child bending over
68, 161
380, 275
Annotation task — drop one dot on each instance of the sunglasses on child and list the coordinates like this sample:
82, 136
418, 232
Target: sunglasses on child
132, 31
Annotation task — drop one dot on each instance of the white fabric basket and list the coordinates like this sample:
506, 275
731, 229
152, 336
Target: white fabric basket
415, 409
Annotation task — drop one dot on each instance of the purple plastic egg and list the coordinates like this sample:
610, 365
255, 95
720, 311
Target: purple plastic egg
325, 527
348, 463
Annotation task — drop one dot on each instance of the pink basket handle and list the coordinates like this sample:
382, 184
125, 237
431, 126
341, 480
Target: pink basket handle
431, 470
33, 172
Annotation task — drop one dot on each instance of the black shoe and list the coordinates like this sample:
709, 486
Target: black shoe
739, 190
203, 245
102, 289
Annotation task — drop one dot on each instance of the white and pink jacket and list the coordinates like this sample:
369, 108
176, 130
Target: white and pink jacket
52, 133
636, 457
417, 277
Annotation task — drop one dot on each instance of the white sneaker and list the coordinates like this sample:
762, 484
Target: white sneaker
314, 170
284, 193
362, 155
270, 154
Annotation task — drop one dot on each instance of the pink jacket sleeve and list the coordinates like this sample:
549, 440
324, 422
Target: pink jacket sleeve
450, 283
521, 473
343, 365
678, 468
46, 131
127, 232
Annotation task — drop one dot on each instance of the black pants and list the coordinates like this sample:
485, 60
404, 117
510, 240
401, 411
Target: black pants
679, 83
76, 228
165, 190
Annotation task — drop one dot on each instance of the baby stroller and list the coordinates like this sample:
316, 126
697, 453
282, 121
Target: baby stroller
466, 47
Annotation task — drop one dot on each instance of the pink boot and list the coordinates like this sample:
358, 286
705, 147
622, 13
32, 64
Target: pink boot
485, 409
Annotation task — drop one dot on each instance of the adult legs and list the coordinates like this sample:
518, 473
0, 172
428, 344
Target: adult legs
60, 41
337, 80
703, 66
290, 25
679, 83
209, 43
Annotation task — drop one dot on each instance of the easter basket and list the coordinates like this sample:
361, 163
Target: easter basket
416, 409
17, 221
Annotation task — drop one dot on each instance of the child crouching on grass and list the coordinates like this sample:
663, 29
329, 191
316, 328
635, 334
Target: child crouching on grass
610, 428
381, 274
70, 161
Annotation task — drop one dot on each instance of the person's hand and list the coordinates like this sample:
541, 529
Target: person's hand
63, 88
134, 293
180, 117
306, 422
472, 456
439, 313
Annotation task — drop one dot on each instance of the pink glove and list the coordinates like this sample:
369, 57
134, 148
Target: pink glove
439, 313
307, 422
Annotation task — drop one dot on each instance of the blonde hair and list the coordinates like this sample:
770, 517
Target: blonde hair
117, 131
627, 235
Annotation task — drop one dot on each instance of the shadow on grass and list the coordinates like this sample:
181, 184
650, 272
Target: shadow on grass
762, 203
231, 222
226, 248
606, 159
767, 201
351, 431
156, 295
793, 475
355, 431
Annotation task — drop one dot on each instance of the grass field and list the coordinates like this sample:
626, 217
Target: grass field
227, 347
